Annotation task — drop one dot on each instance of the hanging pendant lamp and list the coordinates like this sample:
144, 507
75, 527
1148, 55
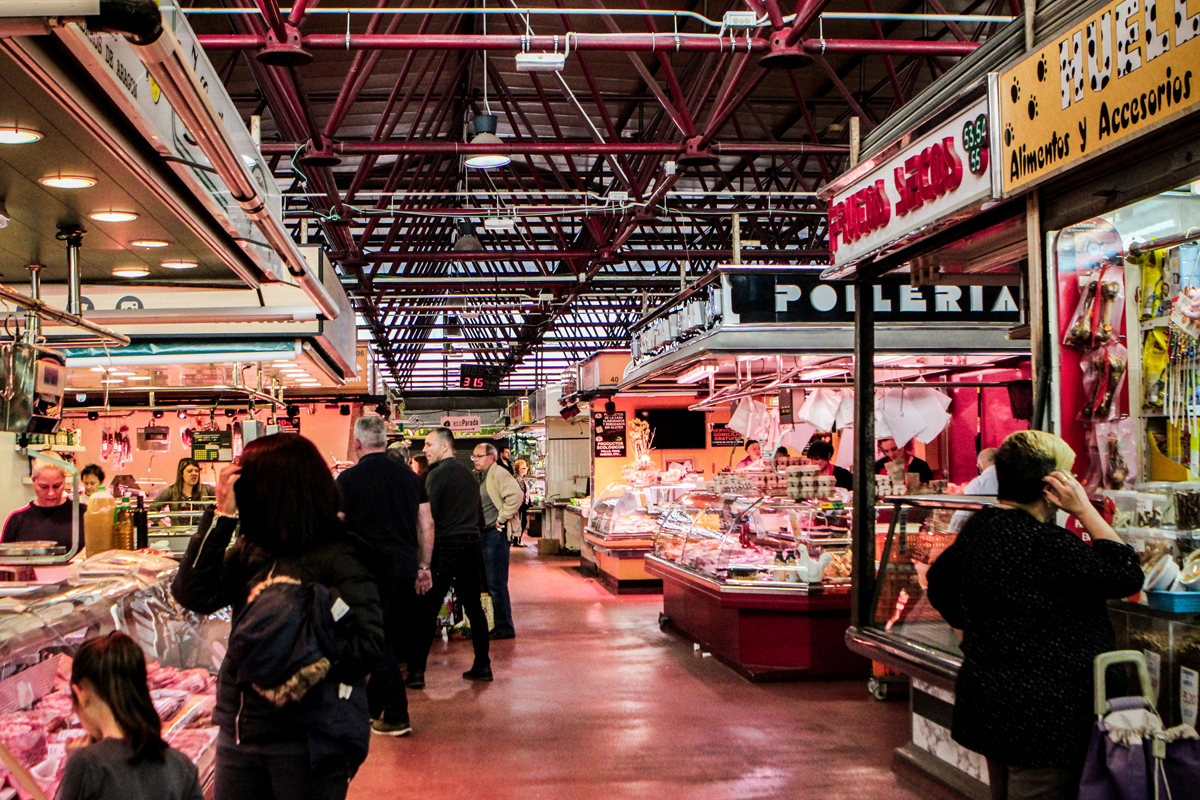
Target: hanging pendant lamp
485, 134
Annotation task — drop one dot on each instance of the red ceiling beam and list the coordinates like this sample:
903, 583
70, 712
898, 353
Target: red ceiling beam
889, 47
756, 254
564, 148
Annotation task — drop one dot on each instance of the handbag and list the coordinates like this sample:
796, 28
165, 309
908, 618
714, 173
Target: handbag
1130, 755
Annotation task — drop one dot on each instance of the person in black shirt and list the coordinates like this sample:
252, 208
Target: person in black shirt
892, 452
457, 559
1031, 600
127, 759
821, 452
385, 502
48, 517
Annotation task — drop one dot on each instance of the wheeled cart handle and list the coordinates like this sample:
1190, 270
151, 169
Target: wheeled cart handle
1106, 660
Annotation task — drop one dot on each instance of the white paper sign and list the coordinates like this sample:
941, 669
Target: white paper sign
1189, 695
467, 424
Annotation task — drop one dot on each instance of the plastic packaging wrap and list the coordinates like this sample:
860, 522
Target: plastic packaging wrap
1097, 317
1117, 448
1103, 375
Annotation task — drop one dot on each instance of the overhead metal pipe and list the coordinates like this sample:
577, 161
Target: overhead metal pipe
756, 254
34, 322
580, 148
666, 42
57, 315
73, 236
889, 47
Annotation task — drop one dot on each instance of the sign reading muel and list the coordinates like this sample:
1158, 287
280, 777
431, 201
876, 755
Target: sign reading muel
936, 176
804, 298
1125, 70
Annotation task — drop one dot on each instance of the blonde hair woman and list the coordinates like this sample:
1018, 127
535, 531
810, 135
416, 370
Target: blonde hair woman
1031, 600
48, 517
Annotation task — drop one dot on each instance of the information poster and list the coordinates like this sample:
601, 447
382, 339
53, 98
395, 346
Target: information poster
609, 438
723, 436
209, 446
288, 424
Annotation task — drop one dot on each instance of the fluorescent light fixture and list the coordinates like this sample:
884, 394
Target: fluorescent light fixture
114, 216
500, 224
740, 19
540, 62
99, 369
113, 380
282, 361
68, 181
141, 377
485, 134
697, 374
149, 243
16, 135
130, 272
122, 374
819, 374
178, 263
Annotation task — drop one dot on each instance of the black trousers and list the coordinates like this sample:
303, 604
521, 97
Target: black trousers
386, 695
457, 562
248, 776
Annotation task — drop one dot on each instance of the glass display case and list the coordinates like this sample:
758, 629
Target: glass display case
625, 511
41, 626
755, 540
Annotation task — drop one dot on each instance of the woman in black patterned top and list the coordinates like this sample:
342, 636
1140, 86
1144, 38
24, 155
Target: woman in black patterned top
1030, 598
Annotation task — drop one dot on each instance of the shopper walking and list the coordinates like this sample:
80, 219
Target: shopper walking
272, 744
385, 502
457, 521
127, 758
1030, 598
501, 497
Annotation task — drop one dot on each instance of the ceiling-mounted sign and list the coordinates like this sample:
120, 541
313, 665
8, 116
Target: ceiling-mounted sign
800, 298
1117, 74
938, 175
467, 424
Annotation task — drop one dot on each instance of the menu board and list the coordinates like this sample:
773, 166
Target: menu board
723, 436
609, 427
209, 446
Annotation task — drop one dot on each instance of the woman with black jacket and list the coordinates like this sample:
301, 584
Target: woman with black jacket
287, 503
1031, 600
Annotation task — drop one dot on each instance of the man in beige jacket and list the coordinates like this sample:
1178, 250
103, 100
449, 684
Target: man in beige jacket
501, 496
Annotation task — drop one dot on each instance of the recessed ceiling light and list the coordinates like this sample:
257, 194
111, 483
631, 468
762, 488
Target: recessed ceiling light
114, 216
113, 380
131, 272
68, 181
15, 135
282, 361
149, 243
179, 264
140, 377
122, 374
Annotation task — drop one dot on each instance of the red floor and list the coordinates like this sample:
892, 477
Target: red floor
593, 700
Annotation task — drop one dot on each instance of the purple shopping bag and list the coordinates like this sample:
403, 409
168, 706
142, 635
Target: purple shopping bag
1130, 755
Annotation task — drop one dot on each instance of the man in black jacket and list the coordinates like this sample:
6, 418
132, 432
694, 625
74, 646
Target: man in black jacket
457, 559
385, 502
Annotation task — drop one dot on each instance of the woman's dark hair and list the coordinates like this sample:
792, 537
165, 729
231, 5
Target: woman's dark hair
422, 465
1024, 459
821, 449
114, 668
286, 497
184, 463
93, 470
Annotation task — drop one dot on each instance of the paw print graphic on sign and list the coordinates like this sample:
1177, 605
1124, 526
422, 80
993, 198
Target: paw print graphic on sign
1033, 108
1129, 40
975, 143
1043, 69
1016, 90
1008, 135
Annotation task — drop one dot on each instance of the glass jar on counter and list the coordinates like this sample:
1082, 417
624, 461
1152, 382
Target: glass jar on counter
1163, 509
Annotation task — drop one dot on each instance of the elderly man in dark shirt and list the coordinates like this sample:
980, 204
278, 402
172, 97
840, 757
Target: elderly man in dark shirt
457, 561
385, 502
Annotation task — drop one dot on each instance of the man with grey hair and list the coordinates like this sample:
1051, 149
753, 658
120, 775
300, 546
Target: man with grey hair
501, 496
457, 561
385, 503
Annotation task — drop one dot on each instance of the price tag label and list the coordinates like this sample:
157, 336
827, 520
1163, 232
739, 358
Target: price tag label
1189, 695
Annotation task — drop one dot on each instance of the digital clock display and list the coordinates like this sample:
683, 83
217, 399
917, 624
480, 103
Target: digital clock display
479, 377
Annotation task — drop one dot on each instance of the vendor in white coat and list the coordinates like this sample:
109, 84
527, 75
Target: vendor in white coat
502, 497
984, 483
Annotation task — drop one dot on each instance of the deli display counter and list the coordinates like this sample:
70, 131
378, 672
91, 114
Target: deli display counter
620, 531
761, 582
42, 624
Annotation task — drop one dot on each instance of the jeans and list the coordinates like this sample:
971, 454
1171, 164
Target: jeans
241, 775
495, 562
457, 563
385, 690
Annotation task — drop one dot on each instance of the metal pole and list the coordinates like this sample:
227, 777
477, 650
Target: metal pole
73, 236
737, 238
855, 140
34, 322
863, 521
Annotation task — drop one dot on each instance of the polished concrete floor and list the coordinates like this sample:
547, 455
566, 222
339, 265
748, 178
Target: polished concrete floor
593, 700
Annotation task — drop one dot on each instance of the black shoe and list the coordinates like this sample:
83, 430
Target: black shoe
384, 728
415, 680
494, 635
482, 674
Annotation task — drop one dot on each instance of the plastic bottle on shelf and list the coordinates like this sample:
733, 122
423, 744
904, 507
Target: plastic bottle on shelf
123, 533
